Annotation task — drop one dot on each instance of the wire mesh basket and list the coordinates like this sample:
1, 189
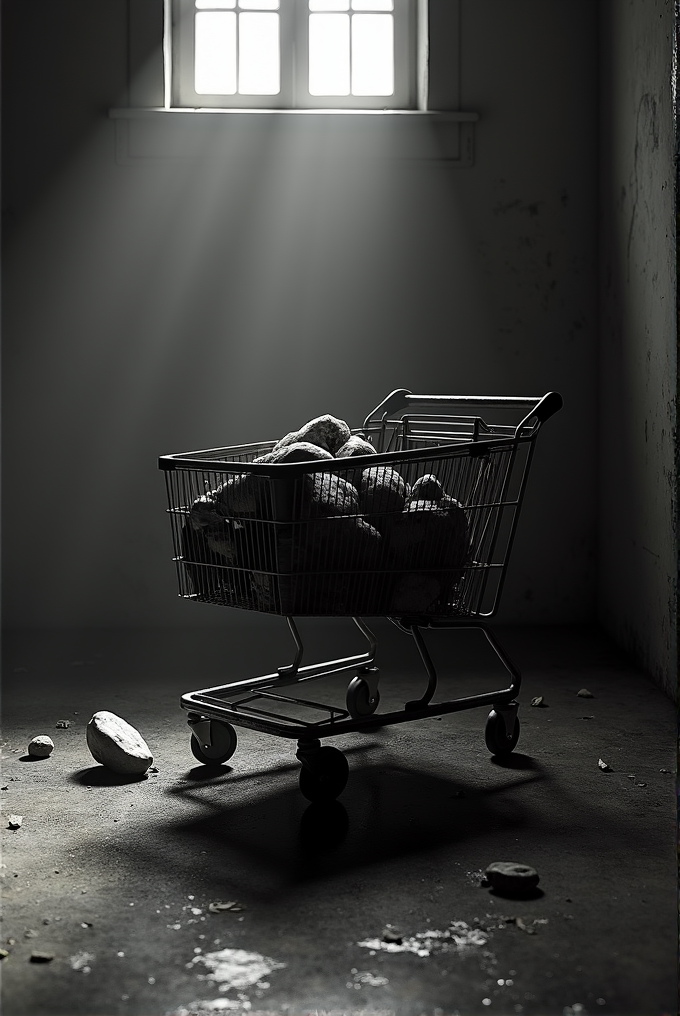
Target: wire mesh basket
423, 526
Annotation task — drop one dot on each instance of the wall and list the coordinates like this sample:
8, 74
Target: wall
638, 423
163, 305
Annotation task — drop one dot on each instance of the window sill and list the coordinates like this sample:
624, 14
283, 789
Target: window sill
152, 112
160, 133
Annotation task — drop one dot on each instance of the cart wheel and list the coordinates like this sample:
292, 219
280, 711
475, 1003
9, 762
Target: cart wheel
223, 746
359, 702
497, 741
325, 775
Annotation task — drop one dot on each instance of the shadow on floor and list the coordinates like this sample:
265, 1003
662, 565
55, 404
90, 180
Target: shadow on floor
273, 840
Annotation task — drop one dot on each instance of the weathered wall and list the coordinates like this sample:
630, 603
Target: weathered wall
638, 548
158, 306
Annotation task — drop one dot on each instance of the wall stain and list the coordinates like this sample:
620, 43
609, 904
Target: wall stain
530, 207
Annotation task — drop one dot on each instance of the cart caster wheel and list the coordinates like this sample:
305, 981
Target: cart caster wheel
222, 747
325, 775
497, 740
359, 701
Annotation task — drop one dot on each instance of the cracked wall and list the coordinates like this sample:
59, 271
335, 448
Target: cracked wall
638, 549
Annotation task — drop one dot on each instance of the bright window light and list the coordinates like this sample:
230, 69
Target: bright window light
372, 5
258, 41
329, 54
211, 5
215, 53
259, 5
372, 54
329, 5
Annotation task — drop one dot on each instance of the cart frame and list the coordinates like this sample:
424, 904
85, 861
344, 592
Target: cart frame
401, 436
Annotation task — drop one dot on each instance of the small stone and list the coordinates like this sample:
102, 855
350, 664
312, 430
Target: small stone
41, 746
232, 905
584, 693
603, 766
30, 933
640, 784
660, 770
4, 953
512, 878
41, 957
14, 821
391, 934
539, 701
62, 724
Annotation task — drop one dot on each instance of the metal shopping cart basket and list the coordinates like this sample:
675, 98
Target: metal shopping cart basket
418, 531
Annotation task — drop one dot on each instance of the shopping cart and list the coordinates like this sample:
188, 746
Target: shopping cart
419, 532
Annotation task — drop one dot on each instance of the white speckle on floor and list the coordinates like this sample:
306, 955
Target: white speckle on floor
458, 937
236, 968
81, 961
207, 1008
360, 977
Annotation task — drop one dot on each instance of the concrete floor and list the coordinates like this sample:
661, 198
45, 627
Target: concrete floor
114, 878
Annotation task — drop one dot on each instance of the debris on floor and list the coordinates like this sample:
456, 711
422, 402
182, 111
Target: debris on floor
603, 766
15, 821
82, 961
511, 877
233, 905
235, 968
41, 746
361, 977
240, 1004
392, 934
459, 937
62, 724
478, 878
519, 923
538, 700
584, 693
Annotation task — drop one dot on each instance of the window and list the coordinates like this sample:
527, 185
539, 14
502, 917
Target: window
294, 54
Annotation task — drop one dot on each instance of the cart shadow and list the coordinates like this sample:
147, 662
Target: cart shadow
387, 811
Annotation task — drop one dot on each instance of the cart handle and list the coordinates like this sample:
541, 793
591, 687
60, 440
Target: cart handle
542, 407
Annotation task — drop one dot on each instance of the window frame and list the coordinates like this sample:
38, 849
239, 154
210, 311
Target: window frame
294, 93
